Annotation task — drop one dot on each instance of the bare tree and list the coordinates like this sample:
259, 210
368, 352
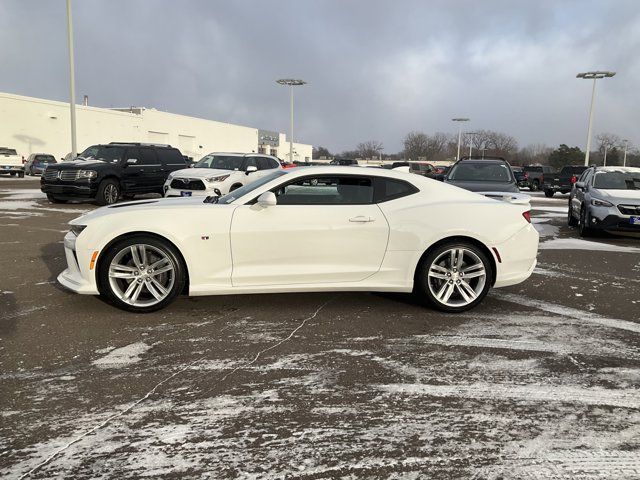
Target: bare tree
537, 153
369, 149
416, 145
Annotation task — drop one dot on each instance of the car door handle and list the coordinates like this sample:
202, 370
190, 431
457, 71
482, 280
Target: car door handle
361, 219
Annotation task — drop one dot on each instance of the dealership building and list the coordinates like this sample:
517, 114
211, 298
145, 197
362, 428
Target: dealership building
35, 125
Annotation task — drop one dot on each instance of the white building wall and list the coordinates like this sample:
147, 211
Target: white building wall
32, 125
301, 151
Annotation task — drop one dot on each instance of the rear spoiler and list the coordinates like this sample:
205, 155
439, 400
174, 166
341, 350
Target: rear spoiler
515, 198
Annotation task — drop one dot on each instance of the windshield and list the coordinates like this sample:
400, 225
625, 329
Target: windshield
239, 192
104, 153
617, 180
222, 162
480, 172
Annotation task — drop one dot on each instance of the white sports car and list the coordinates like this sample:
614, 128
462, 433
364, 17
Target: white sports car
217, 174
305, 229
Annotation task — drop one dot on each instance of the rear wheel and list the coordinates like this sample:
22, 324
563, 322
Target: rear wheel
454, 277
535, 186
53, 199
141, 274
20, 174
108, 192
549, 193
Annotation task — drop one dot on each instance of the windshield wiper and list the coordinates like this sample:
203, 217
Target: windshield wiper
212, 199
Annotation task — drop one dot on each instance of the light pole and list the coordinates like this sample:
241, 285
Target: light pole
459, 120
291, 82
606, 147
592, 76
72, 82
626, 145
471, 134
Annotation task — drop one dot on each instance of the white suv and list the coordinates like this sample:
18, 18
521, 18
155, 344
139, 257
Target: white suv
217, 174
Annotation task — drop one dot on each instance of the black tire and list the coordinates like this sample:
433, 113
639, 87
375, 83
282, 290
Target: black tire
549, 193
179, 269
108, 192
235, 187
422, 287
571, 220
583, 228
535, 186
53, 199
20, 174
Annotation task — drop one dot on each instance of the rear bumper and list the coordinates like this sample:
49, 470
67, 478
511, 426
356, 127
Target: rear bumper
11, 168
518, 257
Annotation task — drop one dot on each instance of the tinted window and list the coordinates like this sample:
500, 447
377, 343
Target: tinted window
325, 190
170, 156
573, 170
134, 153
389, 189
480, 172
250, 162
147, 157
222, 162
239, 192
90, 152
109, 154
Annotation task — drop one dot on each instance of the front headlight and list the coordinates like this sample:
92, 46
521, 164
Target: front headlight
77, 229
87, 174
600, 203
170, 177
220, 178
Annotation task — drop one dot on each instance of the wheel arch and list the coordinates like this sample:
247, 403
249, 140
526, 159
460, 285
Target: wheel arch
136, 233
460, 238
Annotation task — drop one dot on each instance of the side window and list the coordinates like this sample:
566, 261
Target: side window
273, 163
323, 190
249, 162
133, 153
389, 189
262, 163
170, 156
111, 154
147, 157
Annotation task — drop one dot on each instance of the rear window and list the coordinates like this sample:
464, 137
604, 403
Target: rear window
386, 189
480, 172
45, 159
8, 151
170, 156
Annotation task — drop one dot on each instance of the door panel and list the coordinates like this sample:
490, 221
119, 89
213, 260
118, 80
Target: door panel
306, 244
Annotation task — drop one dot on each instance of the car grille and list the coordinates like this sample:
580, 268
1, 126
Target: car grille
629, 209
50, 174
187, 184
64, 175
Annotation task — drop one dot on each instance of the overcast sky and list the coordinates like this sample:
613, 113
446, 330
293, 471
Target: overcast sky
376, 69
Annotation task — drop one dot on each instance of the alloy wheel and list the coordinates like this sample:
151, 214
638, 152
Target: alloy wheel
141, 275
111, 193
456, 277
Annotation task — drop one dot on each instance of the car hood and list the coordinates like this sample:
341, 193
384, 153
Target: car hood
147, 206
201, 172
485, 186
80, 164
622, 195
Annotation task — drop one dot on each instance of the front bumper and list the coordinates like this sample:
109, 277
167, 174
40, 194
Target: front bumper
73, 277
175, 192
610, 219
69, 190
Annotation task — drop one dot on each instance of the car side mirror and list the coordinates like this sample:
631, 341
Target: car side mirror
267, 199
250, 169
581, 185
131, 161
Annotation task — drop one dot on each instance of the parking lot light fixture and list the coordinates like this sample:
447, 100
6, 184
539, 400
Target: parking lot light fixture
626, 146
471, 141
291, 82
459, 120
595, 75
72, 82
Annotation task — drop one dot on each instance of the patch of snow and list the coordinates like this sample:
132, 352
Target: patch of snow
123, 356
580, 244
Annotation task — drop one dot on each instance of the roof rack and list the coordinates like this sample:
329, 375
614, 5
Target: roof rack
139, 144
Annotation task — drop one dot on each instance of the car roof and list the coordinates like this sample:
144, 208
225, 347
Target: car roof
480, 160
617, 169
239, 154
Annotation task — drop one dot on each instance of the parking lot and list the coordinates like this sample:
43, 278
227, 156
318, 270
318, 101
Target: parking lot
542, 380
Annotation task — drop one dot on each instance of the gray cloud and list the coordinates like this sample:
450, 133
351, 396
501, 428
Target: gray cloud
377, 69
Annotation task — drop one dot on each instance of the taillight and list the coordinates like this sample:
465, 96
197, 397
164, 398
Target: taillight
526, 176
527, 215
574, 179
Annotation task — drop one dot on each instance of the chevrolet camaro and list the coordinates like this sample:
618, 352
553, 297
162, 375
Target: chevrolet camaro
330, 228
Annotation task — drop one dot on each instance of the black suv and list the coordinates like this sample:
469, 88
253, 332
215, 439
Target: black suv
105, 173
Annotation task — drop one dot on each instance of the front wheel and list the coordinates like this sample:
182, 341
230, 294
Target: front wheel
549, 193
454, 277
571, 220
141, 274
583, 226
20, 174
535, 186
108, 192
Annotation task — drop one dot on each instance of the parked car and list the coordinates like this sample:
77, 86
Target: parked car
562, 182
522, 177
442, 169
482, 175
105, 173
219, 173
394, 165
422, 168
307, 229
606, 198
11, 162
37, 162
343, 161
536, 175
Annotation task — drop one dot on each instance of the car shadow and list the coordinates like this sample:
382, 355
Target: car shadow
53, 257
8, 317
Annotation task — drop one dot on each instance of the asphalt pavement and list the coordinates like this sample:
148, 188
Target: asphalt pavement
542, 380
